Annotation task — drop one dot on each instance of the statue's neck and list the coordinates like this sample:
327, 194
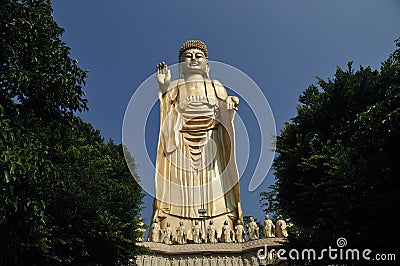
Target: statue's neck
193, 77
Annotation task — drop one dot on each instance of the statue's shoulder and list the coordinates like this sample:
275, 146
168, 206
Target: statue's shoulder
219, 89
172, 91
216, 82
175, 83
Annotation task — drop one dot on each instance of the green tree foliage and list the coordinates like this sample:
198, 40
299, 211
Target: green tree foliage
337, 167
269, 202
95, 204
36, 69
67, 196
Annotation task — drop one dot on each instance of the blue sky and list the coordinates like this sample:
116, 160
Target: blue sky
282, 45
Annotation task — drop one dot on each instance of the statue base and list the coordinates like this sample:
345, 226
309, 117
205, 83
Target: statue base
240, 254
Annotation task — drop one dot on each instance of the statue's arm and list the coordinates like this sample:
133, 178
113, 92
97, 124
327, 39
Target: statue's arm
220, 91
167, 89
163, 77
171, 91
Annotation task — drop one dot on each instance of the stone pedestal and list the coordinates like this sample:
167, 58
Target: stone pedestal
218, 254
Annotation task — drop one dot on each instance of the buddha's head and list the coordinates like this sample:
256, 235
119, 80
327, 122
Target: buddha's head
193, 58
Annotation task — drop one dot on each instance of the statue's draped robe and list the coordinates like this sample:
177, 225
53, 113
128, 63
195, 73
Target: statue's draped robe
196, 164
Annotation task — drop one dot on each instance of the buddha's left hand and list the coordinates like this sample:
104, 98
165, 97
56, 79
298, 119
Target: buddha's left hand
232, 102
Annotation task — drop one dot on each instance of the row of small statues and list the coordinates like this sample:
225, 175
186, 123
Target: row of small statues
166, 235
205, 260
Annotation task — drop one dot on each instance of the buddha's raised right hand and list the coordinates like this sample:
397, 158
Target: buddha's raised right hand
163, 76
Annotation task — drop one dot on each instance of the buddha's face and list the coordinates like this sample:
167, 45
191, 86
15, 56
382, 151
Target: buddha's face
194, 61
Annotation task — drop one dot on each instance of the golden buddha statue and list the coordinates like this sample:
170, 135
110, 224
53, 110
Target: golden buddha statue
195, 165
